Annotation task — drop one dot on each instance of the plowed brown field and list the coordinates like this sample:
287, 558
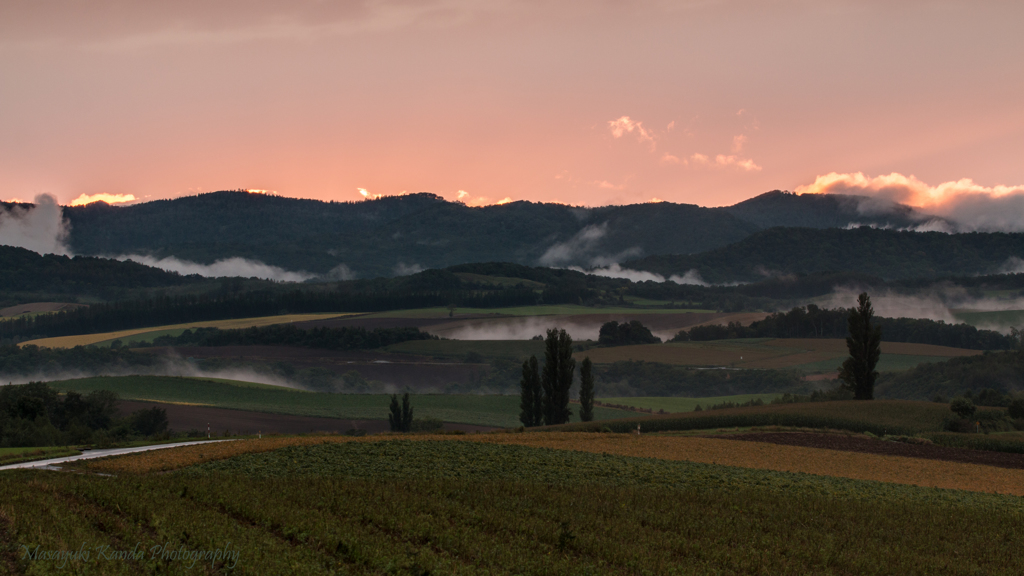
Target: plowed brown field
744, 454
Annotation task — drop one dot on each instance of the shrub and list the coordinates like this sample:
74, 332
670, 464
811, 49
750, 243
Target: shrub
426, 424
962, 407
1016, 408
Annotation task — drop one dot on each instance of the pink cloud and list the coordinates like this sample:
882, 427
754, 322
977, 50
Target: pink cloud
971, 206
625, 124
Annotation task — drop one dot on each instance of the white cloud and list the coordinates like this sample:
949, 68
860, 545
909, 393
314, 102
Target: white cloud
403, 269
40, 228
221, 268
573, 248
625, 125
691, 277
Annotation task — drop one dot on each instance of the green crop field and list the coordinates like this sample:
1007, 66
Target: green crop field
673, 405
998, 319
432, 507
810, 355
879, 417
482, 410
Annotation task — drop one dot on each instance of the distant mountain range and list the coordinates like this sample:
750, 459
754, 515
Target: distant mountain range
402, 234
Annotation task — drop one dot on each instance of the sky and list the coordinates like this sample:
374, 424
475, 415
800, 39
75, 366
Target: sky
588, 103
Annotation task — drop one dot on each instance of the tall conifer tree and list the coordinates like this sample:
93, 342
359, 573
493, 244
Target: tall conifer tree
864, 342
531, 395
586, 390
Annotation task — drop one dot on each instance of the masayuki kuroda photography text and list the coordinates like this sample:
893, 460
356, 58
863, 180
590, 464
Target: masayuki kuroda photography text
224, 556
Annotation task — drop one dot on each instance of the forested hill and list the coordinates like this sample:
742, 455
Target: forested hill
887, 254
393, 235
778, 208
23, 271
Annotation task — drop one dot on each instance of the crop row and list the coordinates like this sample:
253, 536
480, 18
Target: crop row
471, 508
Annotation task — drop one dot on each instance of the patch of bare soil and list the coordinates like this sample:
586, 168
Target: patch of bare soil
876, 446
183, 418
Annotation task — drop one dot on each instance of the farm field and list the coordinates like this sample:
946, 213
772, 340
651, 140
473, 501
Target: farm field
880, 417
147, 334
1001, 320
809, 355
480, 410
675, 405
487, 504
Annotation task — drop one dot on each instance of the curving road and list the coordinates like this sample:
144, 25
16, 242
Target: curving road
100, 454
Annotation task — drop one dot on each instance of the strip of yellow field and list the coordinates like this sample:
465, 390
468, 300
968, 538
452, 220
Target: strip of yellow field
743, 454
87, 339
764, 456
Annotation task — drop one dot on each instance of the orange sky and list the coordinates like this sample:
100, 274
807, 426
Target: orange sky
707, 102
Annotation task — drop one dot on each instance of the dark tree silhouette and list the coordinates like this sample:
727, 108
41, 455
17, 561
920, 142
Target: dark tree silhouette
586, 390
531, 396
557, 376
864, 342
400, 417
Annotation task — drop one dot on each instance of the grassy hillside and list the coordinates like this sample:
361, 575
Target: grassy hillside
500, 411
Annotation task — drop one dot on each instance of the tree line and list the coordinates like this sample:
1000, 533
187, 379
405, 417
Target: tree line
195, 308
814, 322
34, 414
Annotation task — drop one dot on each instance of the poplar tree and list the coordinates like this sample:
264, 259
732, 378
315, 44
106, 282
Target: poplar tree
531, 395
400, 417
556, 380
864, 343
586, 390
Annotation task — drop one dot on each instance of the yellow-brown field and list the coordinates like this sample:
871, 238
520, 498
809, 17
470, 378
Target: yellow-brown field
743, 454
87, 339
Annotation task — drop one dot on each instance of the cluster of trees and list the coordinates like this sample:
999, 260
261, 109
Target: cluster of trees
544, 394
632, 332
28, 271
814, 322
346, 338
999, 371
51, 362
400, 417
34, 414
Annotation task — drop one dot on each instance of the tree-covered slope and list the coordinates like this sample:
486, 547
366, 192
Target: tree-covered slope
777, 208
888, 254
394, 234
